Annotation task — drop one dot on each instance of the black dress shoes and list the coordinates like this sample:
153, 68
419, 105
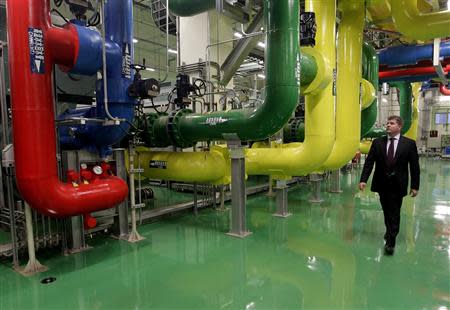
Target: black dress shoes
388, 250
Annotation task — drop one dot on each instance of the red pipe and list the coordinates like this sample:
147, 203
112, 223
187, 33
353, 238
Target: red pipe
29, 25
410, 72
444, 90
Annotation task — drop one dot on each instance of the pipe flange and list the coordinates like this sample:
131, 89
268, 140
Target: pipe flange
149, 137
173, 130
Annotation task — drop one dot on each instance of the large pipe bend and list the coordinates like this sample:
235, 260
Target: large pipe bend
31, 69
444, 90
319, 112
419, 26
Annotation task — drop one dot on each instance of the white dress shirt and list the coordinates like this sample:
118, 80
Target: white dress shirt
396, 138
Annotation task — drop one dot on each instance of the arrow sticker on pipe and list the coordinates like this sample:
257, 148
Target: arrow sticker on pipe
37, 55
213, 121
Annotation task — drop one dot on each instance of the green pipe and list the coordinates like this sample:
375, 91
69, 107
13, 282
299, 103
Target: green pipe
370, 73
375, 133
191, 7
294, 131
308, 68
405, 101
183, 128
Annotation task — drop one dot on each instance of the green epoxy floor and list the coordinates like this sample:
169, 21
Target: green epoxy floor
325, 256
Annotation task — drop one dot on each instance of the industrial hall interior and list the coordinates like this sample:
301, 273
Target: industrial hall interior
225, 154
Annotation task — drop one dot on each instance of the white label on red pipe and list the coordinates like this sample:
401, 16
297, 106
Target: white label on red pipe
36, 43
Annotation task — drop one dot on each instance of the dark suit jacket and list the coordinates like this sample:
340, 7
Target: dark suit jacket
406, 154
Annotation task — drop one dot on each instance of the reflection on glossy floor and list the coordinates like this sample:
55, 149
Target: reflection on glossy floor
326, 256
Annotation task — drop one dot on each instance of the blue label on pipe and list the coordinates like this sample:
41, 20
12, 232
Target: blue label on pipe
36, 43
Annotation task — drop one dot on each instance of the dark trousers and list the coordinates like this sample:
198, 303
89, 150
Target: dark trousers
391, 202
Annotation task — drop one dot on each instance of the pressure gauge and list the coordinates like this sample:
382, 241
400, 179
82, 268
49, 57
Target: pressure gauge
83, 166
97, 170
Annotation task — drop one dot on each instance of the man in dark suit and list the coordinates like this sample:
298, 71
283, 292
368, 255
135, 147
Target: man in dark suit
391, 155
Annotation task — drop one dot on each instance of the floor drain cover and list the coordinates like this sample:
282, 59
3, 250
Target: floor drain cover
48, 280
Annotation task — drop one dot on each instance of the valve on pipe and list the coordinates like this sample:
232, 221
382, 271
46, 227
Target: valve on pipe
143, 89
183, 88
308, 28
79, 8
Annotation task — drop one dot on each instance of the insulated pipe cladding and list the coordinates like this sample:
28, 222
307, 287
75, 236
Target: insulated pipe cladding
34, 47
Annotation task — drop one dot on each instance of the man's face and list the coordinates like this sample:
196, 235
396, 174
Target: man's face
392, 127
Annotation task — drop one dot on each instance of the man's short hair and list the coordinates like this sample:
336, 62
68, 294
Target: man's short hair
397, 118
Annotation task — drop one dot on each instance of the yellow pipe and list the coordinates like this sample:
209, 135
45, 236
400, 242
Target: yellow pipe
364, 146
319, 111
211, 167
417, 25
368, 94
380, 14
412, 132
348, 108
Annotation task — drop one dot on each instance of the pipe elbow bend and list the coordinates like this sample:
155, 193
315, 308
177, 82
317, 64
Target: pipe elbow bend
54, 198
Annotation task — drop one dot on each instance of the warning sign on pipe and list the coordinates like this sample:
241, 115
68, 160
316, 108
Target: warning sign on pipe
36, 43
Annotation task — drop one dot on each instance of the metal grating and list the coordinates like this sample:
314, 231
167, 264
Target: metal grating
159, 17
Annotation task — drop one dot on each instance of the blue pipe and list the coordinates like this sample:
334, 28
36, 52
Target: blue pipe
410, 55
119, 56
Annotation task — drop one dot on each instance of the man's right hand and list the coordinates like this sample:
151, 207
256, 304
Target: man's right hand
362, 186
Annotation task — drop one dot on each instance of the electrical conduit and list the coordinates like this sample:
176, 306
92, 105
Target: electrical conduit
34, 47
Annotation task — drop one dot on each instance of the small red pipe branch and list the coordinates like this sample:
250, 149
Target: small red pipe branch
444, 90
34, 47
411, 72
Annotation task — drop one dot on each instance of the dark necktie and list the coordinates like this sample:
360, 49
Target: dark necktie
390, 154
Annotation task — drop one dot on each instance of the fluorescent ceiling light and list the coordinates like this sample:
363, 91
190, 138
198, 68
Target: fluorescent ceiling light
238, 35
261, 76
135, 40
150, 69
261, 44
172, 51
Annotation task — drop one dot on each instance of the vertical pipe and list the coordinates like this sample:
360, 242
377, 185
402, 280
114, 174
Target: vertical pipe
134, 235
